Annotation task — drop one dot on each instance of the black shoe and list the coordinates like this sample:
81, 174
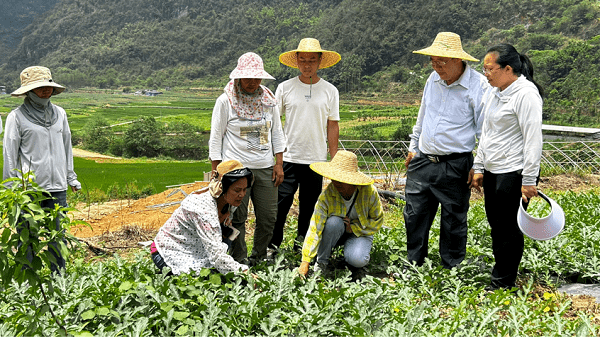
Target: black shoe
323, 269
357, 273
494, 285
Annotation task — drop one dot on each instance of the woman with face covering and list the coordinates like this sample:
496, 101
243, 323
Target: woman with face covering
199, 232
246, 126
37, 138
507, 164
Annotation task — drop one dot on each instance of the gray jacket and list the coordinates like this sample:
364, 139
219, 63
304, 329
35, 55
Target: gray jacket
45, 150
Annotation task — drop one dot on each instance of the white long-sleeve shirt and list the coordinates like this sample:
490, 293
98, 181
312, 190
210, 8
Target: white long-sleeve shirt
511, 137
47, 151
252, 142
450, 118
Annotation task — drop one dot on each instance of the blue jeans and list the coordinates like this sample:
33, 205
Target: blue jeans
57, 198
357, 250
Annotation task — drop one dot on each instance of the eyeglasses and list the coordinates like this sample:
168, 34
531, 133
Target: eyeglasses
438, 63
488, 71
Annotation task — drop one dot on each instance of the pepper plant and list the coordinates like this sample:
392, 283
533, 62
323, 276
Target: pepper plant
27, 228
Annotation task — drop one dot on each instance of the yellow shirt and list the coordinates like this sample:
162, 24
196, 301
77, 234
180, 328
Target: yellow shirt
367, 205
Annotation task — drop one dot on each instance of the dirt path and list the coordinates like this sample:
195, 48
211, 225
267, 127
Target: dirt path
87, 154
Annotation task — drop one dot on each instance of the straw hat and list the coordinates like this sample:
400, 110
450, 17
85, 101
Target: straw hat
36, 77
231, 168
343, 168
447, 44
310, 45
250, 65
542, 228
227, 166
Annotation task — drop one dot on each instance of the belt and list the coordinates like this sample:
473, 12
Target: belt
442, 158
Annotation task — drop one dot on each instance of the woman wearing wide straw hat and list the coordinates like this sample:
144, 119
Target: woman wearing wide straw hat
311, 108
199, 233
348, 213
246, 126
37, 138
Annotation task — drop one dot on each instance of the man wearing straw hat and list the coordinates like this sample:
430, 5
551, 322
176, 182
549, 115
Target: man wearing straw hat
348, 213
311, 108
440, 160
37, 138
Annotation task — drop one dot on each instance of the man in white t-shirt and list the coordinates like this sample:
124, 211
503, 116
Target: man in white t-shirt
311, 108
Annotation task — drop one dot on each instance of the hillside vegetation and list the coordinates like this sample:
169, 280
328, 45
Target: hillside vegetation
159, 43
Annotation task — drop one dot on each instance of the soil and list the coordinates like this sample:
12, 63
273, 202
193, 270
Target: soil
141, 219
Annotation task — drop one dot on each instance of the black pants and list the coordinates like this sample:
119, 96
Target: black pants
502, 194
429, 185
310, 184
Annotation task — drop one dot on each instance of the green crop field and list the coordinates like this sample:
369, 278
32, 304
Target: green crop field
126, 297
158, 174
194, 108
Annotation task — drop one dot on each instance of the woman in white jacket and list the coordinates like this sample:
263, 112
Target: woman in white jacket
507, 164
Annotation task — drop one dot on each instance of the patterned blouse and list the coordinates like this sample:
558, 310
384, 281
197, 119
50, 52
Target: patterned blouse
367, 205
191, 239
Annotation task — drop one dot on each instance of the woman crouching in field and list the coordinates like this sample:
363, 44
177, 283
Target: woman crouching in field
199, 233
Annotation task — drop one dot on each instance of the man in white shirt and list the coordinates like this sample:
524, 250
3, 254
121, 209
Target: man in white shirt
311, 108
440, 160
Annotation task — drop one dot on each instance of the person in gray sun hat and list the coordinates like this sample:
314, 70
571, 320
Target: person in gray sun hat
37, 138
440, 160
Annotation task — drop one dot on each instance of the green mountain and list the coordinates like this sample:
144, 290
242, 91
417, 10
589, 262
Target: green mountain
15, 16
157, 43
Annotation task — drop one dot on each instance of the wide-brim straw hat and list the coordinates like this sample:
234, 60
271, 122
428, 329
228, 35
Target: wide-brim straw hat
344, 168
447, 44
250, 65
310, 45
542, 228
230, 168
37, 77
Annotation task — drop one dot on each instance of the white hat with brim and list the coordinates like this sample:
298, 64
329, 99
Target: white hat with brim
250, 65
344, 168
544, 228
36, 77
310, 45
447, 44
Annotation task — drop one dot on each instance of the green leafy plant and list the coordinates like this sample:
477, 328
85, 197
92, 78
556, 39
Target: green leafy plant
26, 232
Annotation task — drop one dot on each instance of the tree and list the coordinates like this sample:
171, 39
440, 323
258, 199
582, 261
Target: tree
97, 135
142, 139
